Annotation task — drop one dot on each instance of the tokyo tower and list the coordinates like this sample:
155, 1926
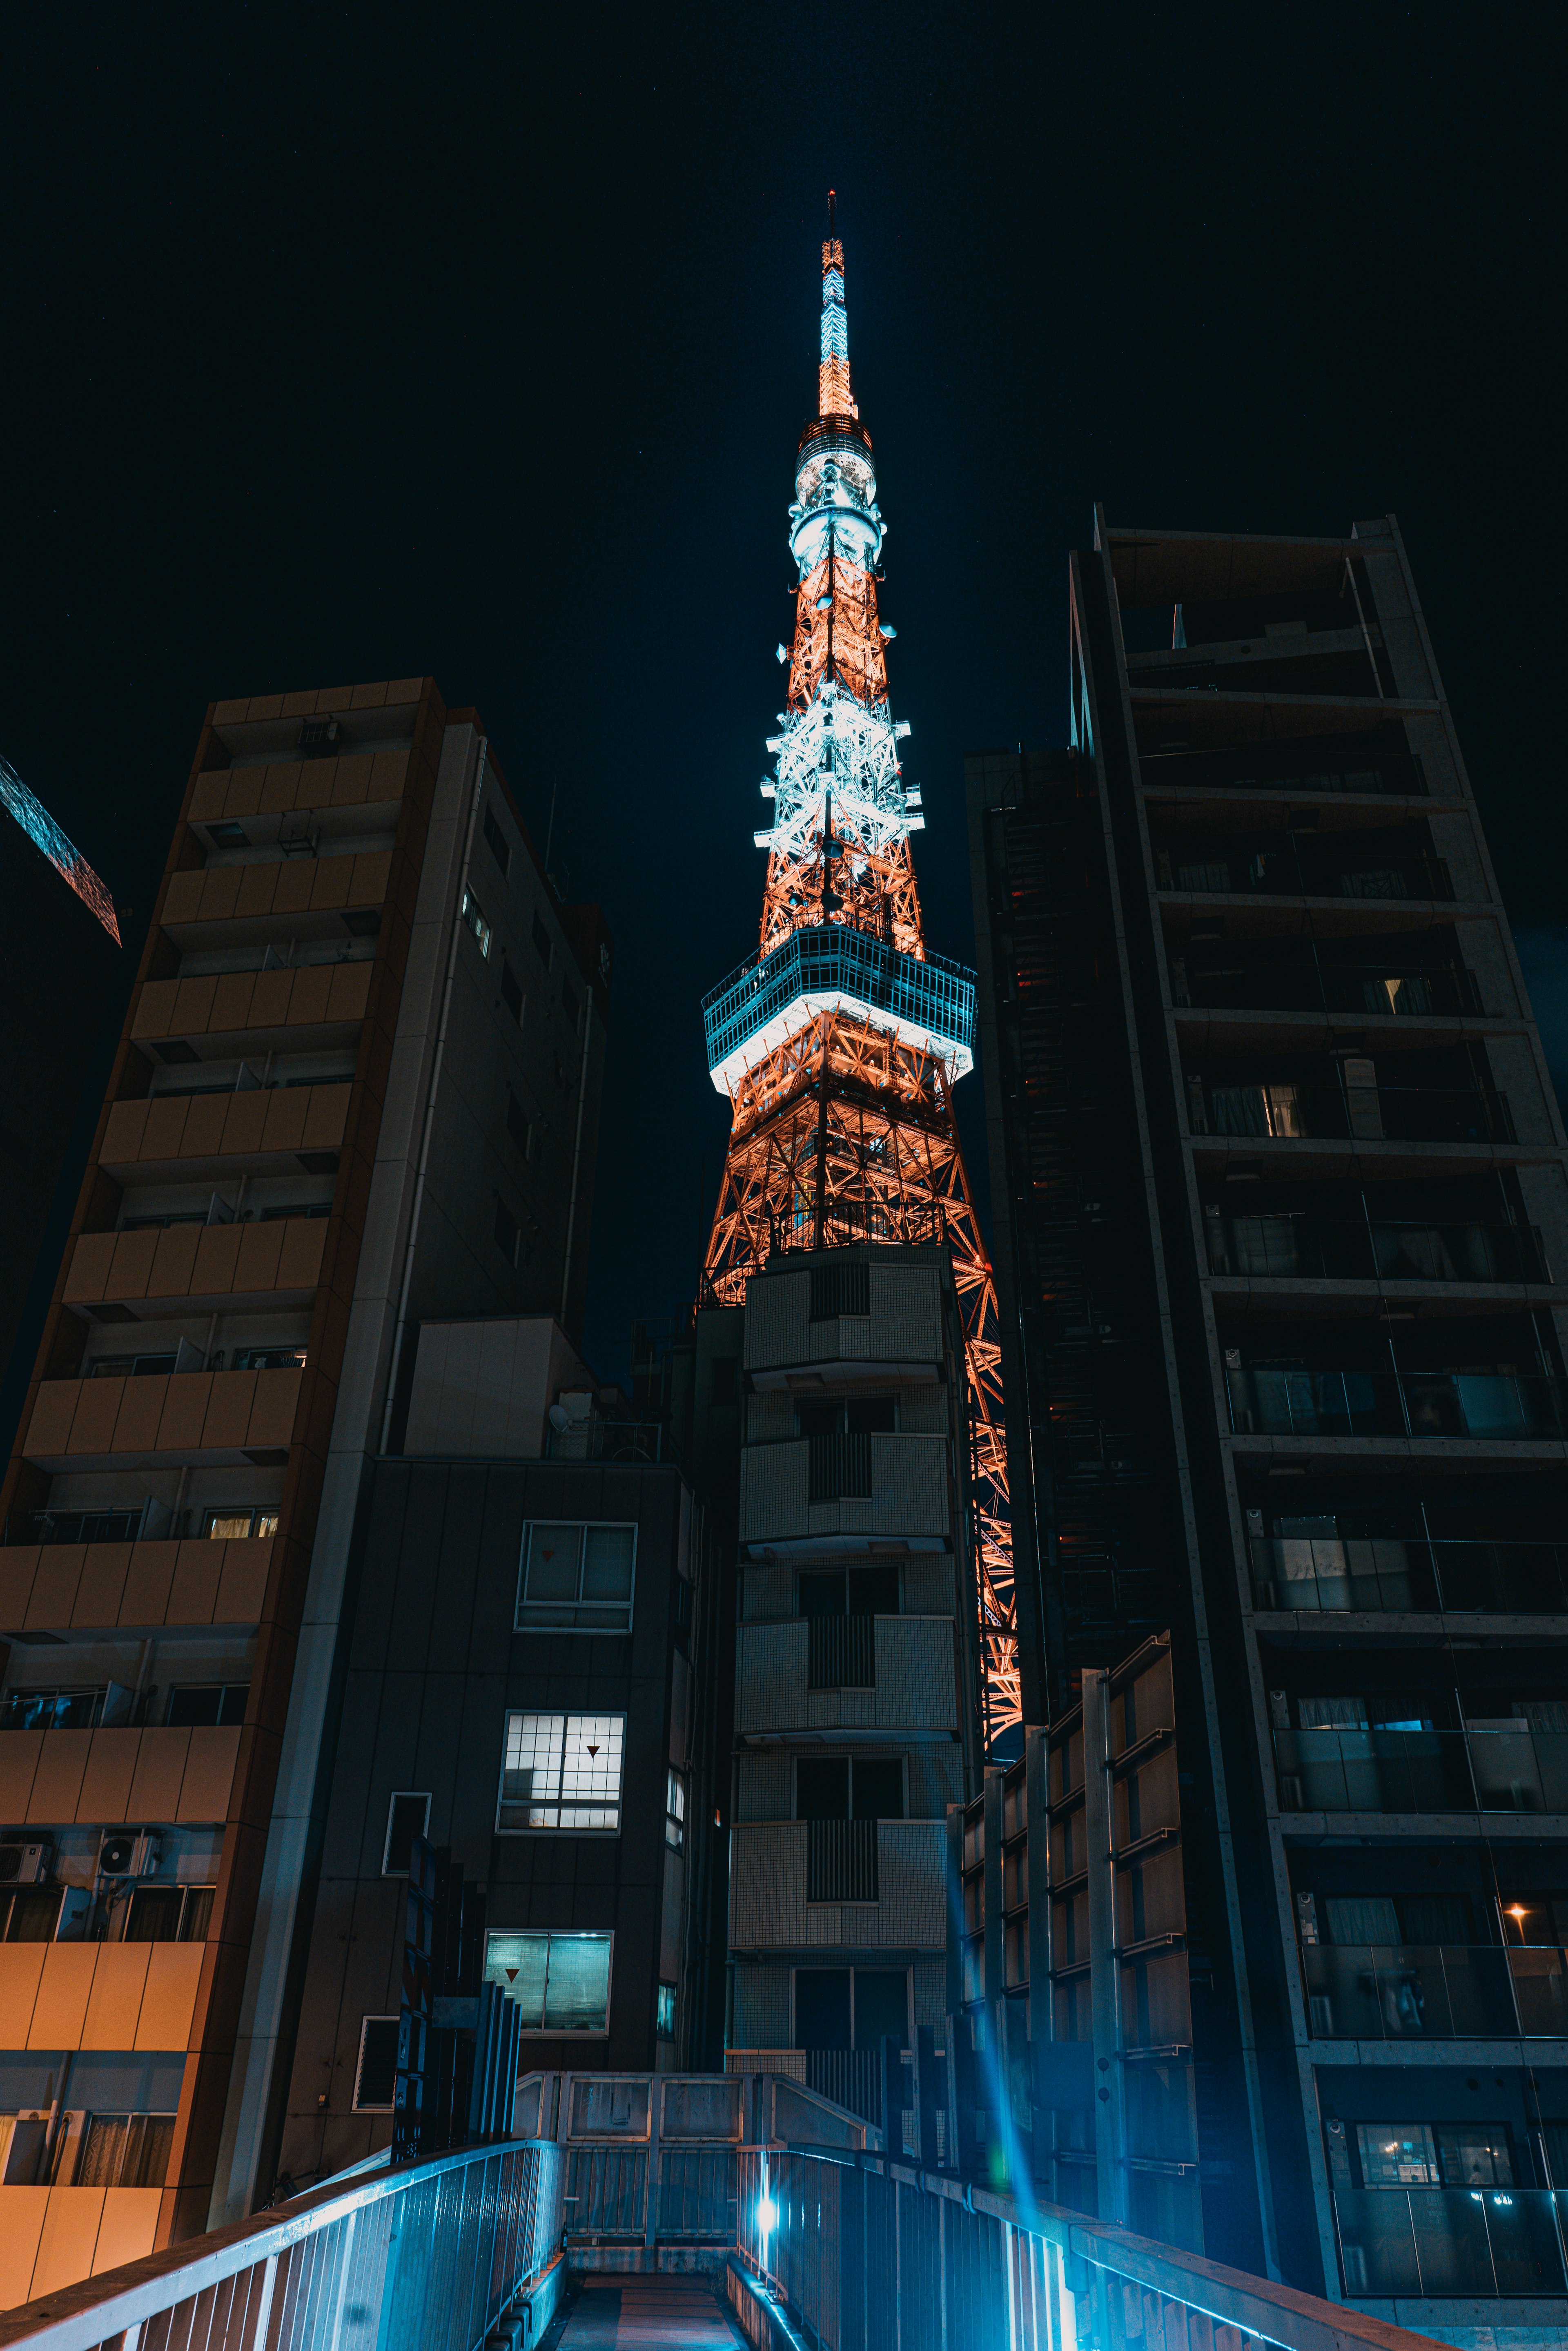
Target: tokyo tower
840, 1042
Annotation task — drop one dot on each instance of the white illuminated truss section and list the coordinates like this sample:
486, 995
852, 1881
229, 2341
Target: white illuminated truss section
838, 745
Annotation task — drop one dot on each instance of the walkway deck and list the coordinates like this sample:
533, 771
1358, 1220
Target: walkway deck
647, 2313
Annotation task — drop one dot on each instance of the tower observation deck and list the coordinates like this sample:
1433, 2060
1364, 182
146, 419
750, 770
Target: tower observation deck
840, 1042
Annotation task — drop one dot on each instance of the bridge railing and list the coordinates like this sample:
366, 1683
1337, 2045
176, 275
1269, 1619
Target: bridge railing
428, 2258
856, 2254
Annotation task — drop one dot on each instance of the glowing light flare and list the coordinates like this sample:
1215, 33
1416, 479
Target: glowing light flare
68, 861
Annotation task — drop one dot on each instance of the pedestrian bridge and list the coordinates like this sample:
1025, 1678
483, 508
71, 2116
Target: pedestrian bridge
649, 2212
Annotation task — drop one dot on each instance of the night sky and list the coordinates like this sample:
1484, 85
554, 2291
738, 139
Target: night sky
344, 345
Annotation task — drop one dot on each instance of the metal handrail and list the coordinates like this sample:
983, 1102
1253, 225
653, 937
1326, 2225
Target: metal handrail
1003, 2266
388, 2241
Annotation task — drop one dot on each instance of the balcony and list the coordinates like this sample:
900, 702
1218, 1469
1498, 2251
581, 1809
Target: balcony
1484, 1407
167, 1420
777, 1867
313, 891
1529, 1578
1300, 1246
1436, 2243
1427, 1992
358, 780
796, 1492
262, 1008
1236, 983
912, 1689
273, 1128
1221, 869
54, 1778
277, 1261
91, 1586
1327, 1109
1488, 1767
809, 1316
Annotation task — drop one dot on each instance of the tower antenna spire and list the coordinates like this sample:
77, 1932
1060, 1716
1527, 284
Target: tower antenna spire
839, 1044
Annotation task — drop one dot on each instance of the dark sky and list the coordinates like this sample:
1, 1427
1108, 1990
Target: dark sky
344, 344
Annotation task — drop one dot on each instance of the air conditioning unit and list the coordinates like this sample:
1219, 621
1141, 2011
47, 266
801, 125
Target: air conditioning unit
26, 1865
128, 1852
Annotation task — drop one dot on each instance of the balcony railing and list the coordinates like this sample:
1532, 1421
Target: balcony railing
1436, 2243
1481, 1769
1288, 1400
1275, 873
1331, 1573
842, 1653
840, 1469
841, 1863
1379, 990
1297, 1246
1296, 1110
1454, 1991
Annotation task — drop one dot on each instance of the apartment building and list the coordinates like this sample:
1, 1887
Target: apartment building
856, 1689
1344, 1193
529, 1686
358, 1085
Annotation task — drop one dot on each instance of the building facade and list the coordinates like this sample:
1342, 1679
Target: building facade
1345, 1189
857, 1689
528, 1686
358, 1085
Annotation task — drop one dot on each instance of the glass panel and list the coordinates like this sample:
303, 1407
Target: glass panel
591, 1771
1352, 1918
607, 1562
151, 2143
517, 1963
154, 1915
1398, 2155
555, 1554
34, 1913
103, 2151
577, 1993
197, 1913
531, 1775
228, 1526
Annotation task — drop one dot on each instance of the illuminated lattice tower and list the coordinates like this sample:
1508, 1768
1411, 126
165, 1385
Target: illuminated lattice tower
839, 1043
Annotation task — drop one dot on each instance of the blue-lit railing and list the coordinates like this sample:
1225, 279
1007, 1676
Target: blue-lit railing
936, 996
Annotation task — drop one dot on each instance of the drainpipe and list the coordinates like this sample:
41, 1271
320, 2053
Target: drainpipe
401, 1330
577, 1151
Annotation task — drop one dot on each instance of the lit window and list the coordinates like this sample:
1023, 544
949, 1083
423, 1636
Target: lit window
675, 1811
562, 1773
238, 1525
561, 1983
665, 2015
474, 916
577, 1577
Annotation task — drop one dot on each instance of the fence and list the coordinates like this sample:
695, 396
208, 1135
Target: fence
430, 2257
867, 2255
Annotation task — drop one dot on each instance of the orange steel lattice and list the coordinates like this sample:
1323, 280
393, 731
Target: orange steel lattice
844, 1130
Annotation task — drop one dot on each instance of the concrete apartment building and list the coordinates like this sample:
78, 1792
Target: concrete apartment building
1329, 1284
358, 1085
530, 1685
856, 1689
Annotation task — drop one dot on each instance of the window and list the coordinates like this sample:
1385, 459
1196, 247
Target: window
559, 1982
842, 1286
849, 1788
851, 2008
562, 1773
31, 1914
850, 1592
375, 2075
169, 1913
474, 916
846, 1416
511, 994
542, 946
125, 2151
664, 2013
675, 1811
408, 1816
240, 1524
78, 1526
506, 1232
203, 1705
269, 1359
500, 847
131, 1367
1435, 2155
576, 1576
